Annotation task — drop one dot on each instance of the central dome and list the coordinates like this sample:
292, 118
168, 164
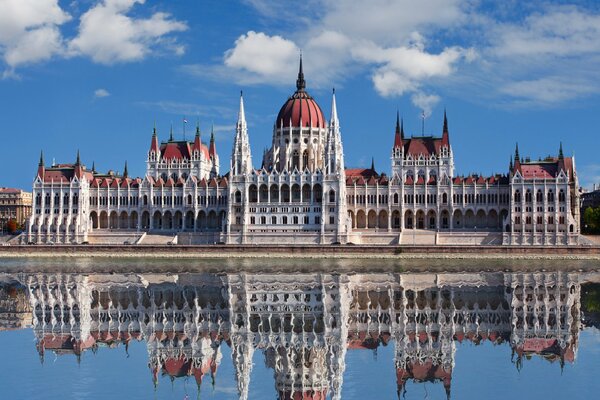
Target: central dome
300, 110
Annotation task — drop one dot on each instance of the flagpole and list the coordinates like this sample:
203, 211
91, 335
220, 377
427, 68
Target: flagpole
184, 127
422, 122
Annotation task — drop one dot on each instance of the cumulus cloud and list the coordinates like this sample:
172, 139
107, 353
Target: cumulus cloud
425, 102
99, 93
108, 35
351, 36
29, 31
264, 57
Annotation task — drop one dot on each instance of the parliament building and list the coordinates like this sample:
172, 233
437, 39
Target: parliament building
304, 194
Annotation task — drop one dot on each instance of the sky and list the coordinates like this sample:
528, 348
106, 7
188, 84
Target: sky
96, 75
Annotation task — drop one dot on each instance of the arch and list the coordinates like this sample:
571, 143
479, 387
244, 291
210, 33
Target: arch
528, 196
480, 219
383, 219
178, 220
517, 196
221, 219
409, 220
167, 220
445, 219
396, 219
285, 193
444, 198
305, 159
431, 221
318, 193
493, 220
550, 196
201, 220
420, 219
263, 193
295, 159
274, 193
238, 196
332, 196
469, 219
156, 220
295, 193
113, 220
361, 219
145, 200
133, 220
123, 220
306, 193
396, 198
212, 220
458, 220
94, 219
145, 220
352, 218
189, 199
189, 220
561, 196
253, 193
539, 197
372, 219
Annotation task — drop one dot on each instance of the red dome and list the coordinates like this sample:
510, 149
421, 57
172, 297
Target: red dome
301, 106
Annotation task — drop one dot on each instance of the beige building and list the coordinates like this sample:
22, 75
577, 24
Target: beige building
14, 204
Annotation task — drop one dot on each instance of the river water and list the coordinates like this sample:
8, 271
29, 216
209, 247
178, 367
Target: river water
90, 328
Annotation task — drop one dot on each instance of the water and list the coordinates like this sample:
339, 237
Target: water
266, 329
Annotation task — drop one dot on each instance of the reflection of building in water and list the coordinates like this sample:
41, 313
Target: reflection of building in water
304, 324
15, 312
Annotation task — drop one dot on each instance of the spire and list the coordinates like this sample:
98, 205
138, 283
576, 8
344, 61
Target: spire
154, 142
517, 152
171, 133
300, 82
212, 150
198, 128
93, 166
399, 135
334, 116
242, 112
125, 173
445, 134
510, 164
78, 160
373, 164
445, 122
41, 163
561, 156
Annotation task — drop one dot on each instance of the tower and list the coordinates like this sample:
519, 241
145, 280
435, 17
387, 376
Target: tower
241, 157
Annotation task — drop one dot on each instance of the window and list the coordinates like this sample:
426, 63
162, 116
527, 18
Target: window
332, 196
561, 196
331, 219
274, 220
517, 196
295, 219
317, 220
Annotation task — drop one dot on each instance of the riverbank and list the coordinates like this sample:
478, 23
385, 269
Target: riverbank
315, 251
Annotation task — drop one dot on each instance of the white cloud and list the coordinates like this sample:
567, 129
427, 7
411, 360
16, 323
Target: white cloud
29, 31
425, 101
346, 36
99, 93
108, 35
264, 57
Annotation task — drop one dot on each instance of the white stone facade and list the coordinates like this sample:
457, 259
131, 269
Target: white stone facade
304, 194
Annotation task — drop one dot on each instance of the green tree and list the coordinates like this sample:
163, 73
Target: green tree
11, 226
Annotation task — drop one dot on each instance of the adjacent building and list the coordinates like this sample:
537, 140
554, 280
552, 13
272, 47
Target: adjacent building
304, 194
15, 204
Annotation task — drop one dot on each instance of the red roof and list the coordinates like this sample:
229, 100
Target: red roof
364, 172
10, 190
300, 107
426, 146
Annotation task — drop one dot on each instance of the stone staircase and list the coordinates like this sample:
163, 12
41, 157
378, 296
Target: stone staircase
158, 239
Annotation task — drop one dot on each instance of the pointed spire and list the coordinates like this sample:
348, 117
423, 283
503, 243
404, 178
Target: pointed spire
510, 164
154, 141
93, 166
399, 135
445, 122
334, 115
300, 82
242, 112
125, 172
78, 160
198, 128
212, 150
41, 163
517, 152
171, 133
373, 164
561, 155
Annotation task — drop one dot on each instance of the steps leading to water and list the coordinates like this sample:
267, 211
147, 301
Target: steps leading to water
157, 239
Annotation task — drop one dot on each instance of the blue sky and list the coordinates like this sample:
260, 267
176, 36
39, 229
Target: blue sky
96, 75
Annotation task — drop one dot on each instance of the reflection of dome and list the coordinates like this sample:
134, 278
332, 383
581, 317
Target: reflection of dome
300, 107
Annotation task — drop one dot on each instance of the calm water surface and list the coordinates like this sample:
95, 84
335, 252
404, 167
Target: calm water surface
304, 329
